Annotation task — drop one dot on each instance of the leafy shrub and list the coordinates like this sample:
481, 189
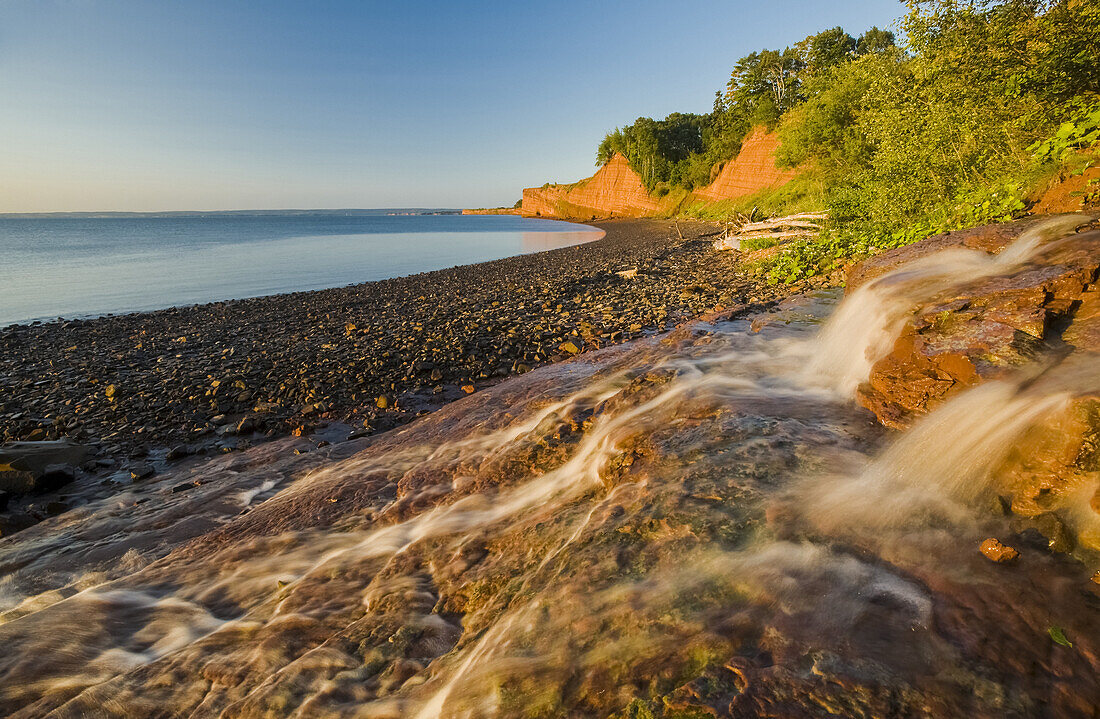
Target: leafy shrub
1082, 130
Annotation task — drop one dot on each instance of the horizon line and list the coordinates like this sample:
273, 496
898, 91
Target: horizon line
222, 212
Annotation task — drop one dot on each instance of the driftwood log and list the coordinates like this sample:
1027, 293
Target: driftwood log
779, 229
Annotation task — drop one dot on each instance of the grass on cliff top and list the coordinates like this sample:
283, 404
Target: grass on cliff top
804, 193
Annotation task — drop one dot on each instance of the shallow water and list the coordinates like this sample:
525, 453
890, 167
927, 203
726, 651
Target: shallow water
76, 267
700, 517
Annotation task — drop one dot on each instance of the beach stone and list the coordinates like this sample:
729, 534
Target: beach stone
54, 477
55, 508
993, 550
1059, 539
17, 482
143, 470
16, 522
482, 321
27, 467
178, 452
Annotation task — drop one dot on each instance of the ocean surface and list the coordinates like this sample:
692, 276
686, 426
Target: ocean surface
84, 267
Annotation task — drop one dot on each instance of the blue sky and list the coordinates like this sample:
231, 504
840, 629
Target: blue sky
220, 104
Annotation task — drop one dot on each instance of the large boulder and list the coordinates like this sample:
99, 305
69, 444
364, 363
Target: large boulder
985, 328
27, 467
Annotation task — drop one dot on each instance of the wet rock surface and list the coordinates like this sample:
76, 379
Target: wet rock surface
621, 534
37, 467
1036, 324
985, 329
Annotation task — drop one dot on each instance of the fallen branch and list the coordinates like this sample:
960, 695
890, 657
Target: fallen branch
779, 223
774, 235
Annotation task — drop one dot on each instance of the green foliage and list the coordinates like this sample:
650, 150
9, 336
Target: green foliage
767, 79
827, 49
678, 151
825, 127
686, 150
753, 244
841, 245
1081, 131
874, 41
804, 193
952, 129
1058, 636
949, 129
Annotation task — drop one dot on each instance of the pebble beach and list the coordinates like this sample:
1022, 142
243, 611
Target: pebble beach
223, 376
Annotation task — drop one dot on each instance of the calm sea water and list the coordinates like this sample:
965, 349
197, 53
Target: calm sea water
78, 267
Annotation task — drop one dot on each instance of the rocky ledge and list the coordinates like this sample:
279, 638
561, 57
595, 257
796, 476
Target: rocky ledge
994, 328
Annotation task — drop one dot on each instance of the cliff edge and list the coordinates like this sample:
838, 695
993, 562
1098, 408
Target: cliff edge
616, 190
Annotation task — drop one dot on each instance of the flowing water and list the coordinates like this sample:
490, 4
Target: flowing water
700, 519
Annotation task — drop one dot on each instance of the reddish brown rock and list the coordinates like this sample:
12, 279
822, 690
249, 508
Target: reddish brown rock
616, 190
1070, 193
1047, 308
995, 551
984, 329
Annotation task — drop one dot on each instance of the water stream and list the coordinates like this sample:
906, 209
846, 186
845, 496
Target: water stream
704, 517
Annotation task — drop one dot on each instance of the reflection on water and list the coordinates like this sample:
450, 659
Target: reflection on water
85, 267
543, 241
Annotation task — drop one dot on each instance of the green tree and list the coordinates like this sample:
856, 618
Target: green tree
874, 41
827, 49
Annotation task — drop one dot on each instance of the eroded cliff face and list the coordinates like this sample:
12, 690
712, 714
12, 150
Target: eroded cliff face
753, 169
616, 190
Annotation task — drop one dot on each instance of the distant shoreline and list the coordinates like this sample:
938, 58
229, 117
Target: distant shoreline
346, 212
82, 269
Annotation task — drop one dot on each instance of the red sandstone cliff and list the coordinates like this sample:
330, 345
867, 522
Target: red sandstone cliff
616, 190
751, 171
